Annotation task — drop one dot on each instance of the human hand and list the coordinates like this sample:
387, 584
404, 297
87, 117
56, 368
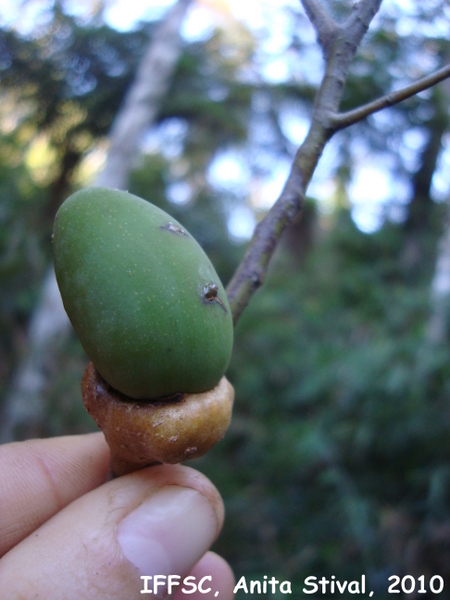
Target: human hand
65, 533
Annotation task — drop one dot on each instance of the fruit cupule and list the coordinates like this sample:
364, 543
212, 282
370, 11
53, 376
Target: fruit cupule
171, 430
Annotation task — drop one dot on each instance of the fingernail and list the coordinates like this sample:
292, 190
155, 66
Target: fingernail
169, 532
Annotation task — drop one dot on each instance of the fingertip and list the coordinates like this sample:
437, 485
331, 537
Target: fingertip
177, 475
213, 573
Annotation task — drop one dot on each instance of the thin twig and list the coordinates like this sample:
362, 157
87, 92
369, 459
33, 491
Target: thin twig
360, 18
345, 119
321, 21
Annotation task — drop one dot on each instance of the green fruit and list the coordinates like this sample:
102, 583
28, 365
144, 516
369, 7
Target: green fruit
143, 297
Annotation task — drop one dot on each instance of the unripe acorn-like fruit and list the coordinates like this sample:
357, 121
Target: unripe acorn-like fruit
144, 299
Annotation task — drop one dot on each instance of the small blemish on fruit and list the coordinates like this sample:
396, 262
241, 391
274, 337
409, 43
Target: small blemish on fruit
210, 291
190, 451
210, 294
174, 229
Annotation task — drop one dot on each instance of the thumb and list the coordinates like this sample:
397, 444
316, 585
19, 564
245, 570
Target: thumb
118, 537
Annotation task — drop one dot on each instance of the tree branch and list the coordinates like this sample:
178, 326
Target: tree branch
359, 20
321, 21
339, 54
345, 119
252, 270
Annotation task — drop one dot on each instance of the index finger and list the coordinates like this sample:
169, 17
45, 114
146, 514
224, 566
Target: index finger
40, 477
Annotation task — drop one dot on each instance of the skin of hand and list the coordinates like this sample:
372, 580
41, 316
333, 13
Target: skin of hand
67, 533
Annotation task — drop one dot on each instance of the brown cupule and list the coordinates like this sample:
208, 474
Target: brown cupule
172, 430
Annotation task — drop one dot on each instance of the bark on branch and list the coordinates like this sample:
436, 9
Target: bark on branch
321, 21
345, 119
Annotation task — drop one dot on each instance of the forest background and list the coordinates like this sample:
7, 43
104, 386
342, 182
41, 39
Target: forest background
337, 460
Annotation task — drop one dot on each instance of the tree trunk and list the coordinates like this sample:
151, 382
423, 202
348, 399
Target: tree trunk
421, 211
421, 206
24, 410
438, 323
144, 98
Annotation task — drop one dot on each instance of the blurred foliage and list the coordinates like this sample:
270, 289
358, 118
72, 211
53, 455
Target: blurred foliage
337, 461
